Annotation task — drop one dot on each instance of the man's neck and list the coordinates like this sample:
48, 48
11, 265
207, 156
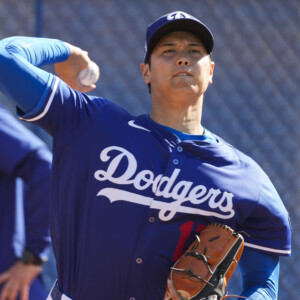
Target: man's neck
184, 118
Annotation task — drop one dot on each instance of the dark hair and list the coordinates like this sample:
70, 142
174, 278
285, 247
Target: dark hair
149, 63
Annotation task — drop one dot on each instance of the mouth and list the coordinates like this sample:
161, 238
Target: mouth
182, 73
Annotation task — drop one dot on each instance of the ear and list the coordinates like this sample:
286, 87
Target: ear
145, 72
211, 72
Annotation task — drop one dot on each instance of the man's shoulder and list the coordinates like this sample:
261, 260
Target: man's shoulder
241, 156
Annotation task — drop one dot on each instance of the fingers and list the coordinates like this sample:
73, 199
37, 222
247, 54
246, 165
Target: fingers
9, 291
86, 89
25, 293
69, 76
82, 88
3, 277
172, 290
16, 281
174, 295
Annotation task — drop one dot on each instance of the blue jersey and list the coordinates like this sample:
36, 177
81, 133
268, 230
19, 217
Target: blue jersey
136, 195
128, 195
25, 164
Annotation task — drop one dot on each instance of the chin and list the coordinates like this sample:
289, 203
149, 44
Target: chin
185, 89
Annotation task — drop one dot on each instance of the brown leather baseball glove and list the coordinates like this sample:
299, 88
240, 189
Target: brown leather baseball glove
204, 270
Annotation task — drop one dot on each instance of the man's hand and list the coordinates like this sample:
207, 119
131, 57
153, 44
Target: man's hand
17, 280
173, 295
68, 70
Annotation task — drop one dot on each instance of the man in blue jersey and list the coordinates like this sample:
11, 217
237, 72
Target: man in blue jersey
130, 193
25, 170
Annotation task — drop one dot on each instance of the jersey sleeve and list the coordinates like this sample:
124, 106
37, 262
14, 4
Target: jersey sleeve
65, 113
268, 226
20, 59
260, 274
42, 97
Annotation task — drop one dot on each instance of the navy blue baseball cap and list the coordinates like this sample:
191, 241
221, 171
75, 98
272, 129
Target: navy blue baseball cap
176, 21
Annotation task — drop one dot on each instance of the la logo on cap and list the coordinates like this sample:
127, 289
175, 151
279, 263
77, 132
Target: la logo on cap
178, 15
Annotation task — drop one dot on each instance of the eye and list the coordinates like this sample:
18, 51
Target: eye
194, 51
169, 51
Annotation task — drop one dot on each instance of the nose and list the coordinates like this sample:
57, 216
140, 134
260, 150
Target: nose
183, 61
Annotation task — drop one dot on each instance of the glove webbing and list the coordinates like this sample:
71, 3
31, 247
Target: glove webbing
199, 256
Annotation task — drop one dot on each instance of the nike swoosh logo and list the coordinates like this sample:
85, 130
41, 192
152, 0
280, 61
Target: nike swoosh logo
132, 124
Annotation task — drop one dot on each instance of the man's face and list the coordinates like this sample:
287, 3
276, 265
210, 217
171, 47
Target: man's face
179, 63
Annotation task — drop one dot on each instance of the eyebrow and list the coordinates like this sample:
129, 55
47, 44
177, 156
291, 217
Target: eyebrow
167, 44
195, 44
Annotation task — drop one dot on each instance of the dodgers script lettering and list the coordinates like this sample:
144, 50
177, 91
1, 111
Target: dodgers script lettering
180, 191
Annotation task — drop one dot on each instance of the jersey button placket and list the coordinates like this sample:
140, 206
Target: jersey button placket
138, 260
151, 219
179, 149
175, 161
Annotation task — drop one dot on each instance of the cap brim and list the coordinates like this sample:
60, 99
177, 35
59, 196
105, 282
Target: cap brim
189, 25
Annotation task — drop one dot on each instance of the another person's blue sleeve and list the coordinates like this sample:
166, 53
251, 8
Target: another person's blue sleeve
25, 156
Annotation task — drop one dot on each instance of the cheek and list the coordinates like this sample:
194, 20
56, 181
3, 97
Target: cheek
204, 71
158, 74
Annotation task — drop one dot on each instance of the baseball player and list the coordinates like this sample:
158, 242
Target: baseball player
25, 164
130, 193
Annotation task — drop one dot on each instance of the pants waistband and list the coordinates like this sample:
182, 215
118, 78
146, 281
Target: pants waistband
56, 294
